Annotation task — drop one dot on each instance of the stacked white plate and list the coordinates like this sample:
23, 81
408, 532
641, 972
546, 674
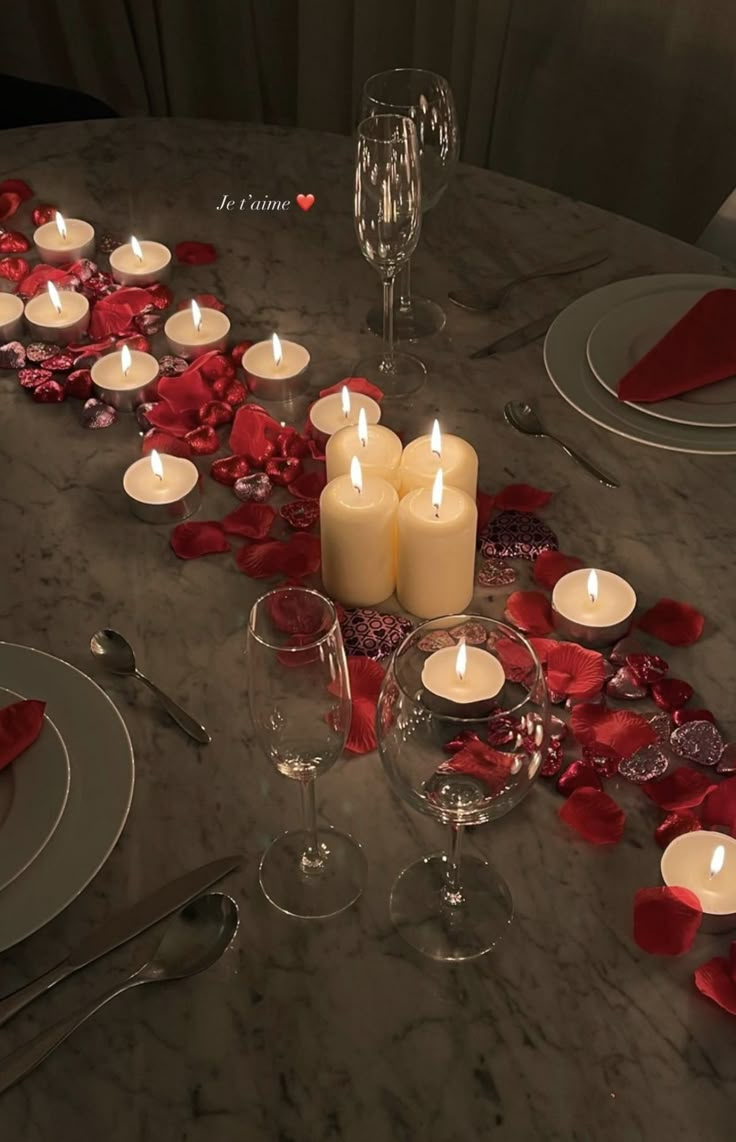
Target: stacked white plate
65, 800
597, 339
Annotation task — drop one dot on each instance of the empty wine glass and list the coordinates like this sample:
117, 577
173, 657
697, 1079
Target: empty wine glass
426, 99
387, 222
462, 733
299, 695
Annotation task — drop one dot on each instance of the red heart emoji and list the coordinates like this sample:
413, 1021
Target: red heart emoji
306, 201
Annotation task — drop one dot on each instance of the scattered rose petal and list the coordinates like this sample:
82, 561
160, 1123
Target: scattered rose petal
187, 391
671, 693
666, 920
700, 742
478, 760
308, 485
163, 417
550, 566
9, 203
521, 498
355, 385
622, 730
366, 679
573, 670
113, 314
719, 807
716, 980
578, 775
678, 624
253, 434
195, 253
16, 186
163, 442
594, 816
203, 300
250, 520
192, 540
215, 413
646, 764
675, 825
485, 505
530, 611
683, 788
298, 557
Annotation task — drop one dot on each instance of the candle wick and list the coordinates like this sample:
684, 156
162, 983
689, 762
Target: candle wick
436, 511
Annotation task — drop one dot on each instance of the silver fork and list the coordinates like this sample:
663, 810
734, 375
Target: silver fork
475, 301
523, 418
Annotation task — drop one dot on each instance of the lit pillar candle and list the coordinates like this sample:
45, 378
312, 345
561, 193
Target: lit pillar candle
341, 410
422, 458
593, 607
705, 862
140, 263
125, 379
357, 516
377, 448
276, 369
55, 315
64, 240
194, 331
463, 674
435, 550
11, 317
162, 489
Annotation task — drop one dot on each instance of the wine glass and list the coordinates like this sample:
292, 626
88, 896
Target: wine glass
299, 695
387, 221
426, 98
464, 761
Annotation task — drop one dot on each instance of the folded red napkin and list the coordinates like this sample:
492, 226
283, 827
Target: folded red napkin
698, 350
20, 725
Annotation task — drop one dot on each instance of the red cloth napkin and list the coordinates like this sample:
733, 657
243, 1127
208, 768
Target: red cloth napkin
698, 350
20, 725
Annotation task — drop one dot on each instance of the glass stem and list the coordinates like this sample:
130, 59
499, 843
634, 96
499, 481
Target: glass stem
452, 893
405, 288
312, 861
387, 364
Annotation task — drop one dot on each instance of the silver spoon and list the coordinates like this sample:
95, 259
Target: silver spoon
116, 654
523, 418
476, 301
192, 942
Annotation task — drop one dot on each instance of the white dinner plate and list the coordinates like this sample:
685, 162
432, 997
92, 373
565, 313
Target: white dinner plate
567, 364
628, 332
33, 793
101, 761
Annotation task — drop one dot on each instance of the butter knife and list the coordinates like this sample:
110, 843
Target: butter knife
518, 337
120, 928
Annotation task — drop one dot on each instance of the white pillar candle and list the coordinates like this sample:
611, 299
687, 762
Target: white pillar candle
64, 240
140, 263
340, 410
457, 459
11, 317
162, 489
593, 607
274, 369
125, 379
358, 532
435, 550
705, 862
55, 315
463, 674
377, 448
194, 331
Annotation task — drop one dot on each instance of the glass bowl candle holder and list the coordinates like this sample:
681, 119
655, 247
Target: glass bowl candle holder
462, 733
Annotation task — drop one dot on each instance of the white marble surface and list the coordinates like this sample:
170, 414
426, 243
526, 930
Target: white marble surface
330, 1031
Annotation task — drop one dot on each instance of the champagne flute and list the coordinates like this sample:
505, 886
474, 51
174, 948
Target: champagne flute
299, 695
387, 222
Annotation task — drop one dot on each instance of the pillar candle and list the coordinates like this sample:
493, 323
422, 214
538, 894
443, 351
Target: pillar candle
422, 458
358, 532
377, 448
436, 550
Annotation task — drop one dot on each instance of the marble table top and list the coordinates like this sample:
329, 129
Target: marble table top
335, 1030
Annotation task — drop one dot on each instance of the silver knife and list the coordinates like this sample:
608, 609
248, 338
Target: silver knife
120, 928
518, 338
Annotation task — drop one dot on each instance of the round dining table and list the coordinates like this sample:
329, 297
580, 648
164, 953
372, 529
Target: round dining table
313, 1031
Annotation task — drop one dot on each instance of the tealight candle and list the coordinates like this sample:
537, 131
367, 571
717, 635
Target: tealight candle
377, 448
125, 379
705, 862
11, 317
358, 532
64, 240
435, 550
162, 489
463, 674
593, 607
340, 410
422, 458
276, 369
55, 315
140, 263
194, 331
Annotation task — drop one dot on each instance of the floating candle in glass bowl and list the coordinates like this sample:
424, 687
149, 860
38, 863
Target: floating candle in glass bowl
593, 607
125, 379
64, 240
463, 674
140, 263
341, 410
162, 489
194, 331
705, 862
423, 456
61, 316
11, 317
358, 533
275, 369
377, 448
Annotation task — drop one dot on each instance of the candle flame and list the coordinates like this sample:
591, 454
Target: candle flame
276, 349
435, 442
461, 662
593, 587
362, 427
54, 295
356, 474
196, 316
136, 248
61, 223
156, 464
437, 491
717, 861
345, 398
126, 359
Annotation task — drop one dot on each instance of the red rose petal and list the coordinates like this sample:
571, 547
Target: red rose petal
20, 725
163, 442
530, 611
594, 816
38, 279
675, 825
297, 613
485, 505
187, 391
112, 315
204, 300
521, 498
355, 385
666, 920
550, 566
719, 808
251, 520
683, 788
163, 416
308, 486
678, 624
298, 557
191, 540
16, 186
622, 730
195, 253
515, 659
574, 671
716, 979
366, 679
9, 203
253, 434
481, 761
578, 775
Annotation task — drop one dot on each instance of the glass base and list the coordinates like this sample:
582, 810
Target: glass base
314, 895
444, 932
422, 318
407, 375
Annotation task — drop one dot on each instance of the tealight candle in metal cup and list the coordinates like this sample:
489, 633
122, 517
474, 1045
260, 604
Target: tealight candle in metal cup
125, 379
705, 863
162, 489
64, 240
11, 317
594, 608
194, 331
59, 316
140, 263
276, 370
